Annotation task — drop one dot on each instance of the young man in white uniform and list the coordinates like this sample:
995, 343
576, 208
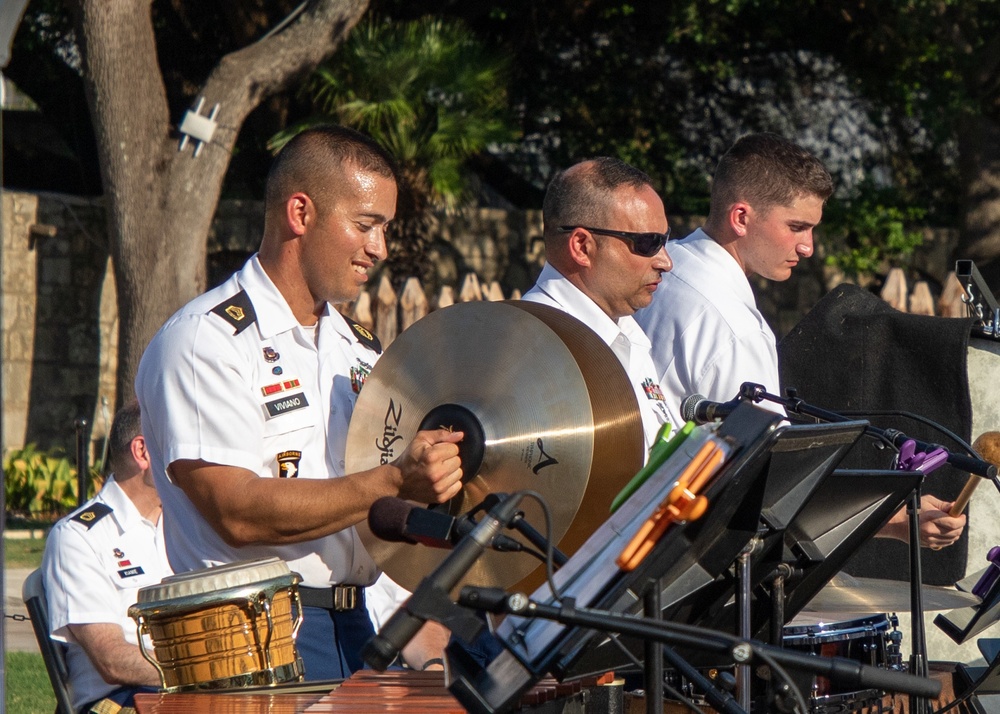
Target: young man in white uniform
248, 390
605, 230
94, 562
708, 335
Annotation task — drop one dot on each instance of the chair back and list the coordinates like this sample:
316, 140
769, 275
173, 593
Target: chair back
33, 594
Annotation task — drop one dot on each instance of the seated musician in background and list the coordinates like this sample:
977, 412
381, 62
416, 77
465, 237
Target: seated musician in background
94, 562
605, 233
707, 333
248, 390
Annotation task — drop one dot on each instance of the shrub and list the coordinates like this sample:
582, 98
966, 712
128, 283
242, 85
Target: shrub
38, 482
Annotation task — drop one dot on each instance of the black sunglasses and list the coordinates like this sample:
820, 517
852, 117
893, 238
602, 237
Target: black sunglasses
645, 244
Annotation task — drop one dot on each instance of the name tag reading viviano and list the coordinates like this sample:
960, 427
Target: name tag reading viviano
284, 405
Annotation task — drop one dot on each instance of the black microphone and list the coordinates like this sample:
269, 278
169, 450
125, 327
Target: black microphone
398, 521
700, 410
384, 647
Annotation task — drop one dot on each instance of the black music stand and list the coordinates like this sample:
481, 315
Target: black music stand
688, 557
791, 466
966, 622
847, 508
981, 681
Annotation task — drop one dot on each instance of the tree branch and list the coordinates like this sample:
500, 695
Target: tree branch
242, 79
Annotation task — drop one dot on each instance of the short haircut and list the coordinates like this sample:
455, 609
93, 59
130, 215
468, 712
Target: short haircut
124, 428
315, 156
583, 194
766, 170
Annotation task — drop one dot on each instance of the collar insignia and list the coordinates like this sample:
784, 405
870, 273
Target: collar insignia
92, 514
237, 311
364, 335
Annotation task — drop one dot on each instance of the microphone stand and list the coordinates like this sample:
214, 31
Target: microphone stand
930, 457
750, 391
522, 526
654, 651
839, 669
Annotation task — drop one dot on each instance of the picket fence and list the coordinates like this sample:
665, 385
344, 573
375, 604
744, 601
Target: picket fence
387, 314
919, 301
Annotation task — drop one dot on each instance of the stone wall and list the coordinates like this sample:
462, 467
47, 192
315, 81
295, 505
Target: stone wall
59, 320
17, 301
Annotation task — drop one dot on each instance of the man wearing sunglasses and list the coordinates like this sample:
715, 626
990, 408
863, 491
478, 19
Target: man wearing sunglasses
605, 234
708, 335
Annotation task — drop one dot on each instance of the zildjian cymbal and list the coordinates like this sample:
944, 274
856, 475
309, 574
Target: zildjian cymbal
544, 404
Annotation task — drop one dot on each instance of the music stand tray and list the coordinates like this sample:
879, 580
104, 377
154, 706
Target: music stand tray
966, 622
982, 681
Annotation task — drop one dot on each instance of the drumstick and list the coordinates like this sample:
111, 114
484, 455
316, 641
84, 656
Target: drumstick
987, 445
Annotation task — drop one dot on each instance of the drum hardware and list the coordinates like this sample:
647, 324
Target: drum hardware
542, 395
230, 626
873, 641
979, 301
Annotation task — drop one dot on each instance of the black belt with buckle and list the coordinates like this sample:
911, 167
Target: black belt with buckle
336, 597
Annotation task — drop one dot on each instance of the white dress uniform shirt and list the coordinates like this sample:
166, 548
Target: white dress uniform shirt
625, 338
234, 379
708, 335
383, 598
95, 560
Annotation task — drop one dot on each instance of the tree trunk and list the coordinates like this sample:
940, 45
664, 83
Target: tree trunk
160, 202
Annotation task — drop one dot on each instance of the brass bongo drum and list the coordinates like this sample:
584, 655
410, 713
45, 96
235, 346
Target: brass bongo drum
216, 628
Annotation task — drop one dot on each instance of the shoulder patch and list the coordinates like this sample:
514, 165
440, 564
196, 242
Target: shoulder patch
91, 515
365, 337
237, 311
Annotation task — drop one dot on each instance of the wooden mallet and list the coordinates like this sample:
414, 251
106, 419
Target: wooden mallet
987, 445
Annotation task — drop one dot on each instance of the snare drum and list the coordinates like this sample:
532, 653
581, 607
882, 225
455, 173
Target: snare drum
872, 640
230, 626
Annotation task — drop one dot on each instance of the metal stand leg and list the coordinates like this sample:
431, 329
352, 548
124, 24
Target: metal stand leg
743, 605
653, 651
778, 578
918, 656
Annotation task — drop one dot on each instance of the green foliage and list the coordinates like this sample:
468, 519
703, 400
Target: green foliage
28, 688
427, 90
433, 95
871, 232
39, 482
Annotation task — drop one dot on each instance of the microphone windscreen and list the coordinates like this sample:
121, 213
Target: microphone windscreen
690, 406
387, 519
